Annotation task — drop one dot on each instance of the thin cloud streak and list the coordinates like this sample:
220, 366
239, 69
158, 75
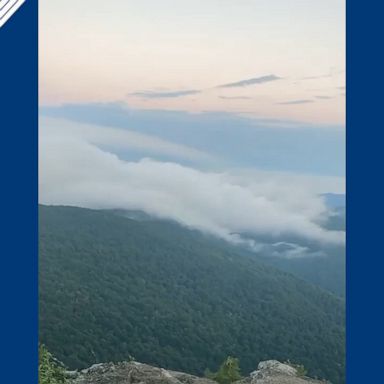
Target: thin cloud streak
236, 97
150, 94
248, 82
332, 72
296, 102
164, 95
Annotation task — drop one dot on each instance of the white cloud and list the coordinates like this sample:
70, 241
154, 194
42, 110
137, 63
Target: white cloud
74, 171
120, 139
291, 251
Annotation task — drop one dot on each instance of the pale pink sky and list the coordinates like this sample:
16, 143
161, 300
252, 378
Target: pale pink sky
97, 51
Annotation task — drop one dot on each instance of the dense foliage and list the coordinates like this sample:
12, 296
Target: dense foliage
50, 370
111, 287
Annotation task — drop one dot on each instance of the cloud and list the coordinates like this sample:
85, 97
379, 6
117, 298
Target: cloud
151, 94
236, 97
332, 73
248, 82
164, 94
119, 139
75, 171
294, 102
289, 250
316, 77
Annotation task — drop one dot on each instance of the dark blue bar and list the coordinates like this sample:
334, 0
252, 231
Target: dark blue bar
365, 193
18, 162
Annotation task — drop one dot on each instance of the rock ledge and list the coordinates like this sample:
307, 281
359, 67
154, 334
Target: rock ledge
268, 372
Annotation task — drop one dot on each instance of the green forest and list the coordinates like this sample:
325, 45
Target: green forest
112, 288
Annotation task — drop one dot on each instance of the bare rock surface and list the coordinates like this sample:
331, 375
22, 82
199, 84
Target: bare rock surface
274, 372
132, 373
268, 372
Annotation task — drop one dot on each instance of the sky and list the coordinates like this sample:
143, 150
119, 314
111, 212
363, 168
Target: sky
180, 54
226, 116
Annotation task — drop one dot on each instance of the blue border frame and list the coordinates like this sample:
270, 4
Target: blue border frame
19, 153
19, 190
365, 256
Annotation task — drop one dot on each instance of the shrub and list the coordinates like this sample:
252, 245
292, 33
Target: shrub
228, 372
51, 371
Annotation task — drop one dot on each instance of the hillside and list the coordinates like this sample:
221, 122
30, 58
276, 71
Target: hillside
326, 268
111, 287
318, 263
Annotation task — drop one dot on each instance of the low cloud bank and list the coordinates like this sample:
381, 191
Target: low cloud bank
75, 171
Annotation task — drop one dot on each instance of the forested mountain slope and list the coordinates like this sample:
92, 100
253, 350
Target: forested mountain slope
318, 263
326, 271
111, 287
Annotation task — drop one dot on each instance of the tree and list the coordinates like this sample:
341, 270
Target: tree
228, 372
50, 370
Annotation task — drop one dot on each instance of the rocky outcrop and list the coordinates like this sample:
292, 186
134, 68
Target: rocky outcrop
268, 372
132, 373
274, 372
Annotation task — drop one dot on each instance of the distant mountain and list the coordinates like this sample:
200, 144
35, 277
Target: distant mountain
325, 270
334, 200
112, 287
320, 264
